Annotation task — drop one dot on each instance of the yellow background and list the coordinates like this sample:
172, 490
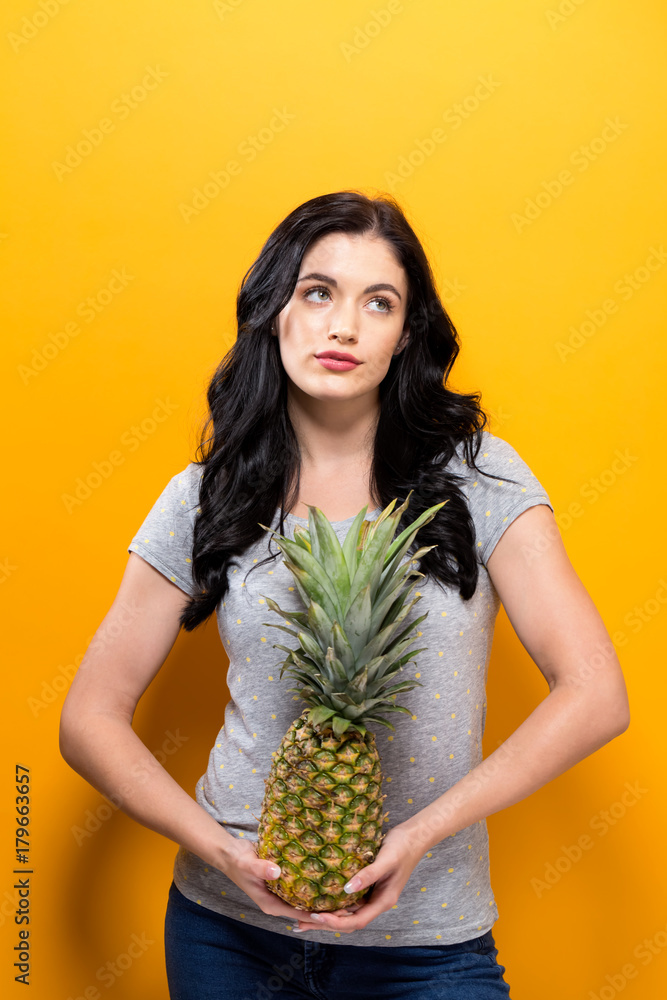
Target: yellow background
363, 101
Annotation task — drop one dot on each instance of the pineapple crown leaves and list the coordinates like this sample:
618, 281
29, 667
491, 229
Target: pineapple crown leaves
352, 635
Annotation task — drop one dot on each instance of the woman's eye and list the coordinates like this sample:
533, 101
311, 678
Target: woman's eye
384, 302
320, 288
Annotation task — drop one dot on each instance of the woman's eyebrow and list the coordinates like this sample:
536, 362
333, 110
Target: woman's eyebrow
316, 276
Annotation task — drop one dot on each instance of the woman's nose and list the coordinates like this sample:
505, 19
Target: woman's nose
344, 323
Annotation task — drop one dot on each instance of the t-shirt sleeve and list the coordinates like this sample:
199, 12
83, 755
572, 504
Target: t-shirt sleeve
495, 503
166, 536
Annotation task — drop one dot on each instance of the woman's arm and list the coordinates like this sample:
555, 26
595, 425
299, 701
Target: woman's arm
97, 739
559, 625
96, 735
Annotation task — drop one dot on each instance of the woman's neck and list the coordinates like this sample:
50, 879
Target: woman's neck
333, 433
336, 439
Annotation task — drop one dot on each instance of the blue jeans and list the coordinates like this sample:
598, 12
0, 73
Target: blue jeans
213, 957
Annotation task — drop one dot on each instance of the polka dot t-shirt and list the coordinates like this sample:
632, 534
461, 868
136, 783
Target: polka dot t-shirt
448, 898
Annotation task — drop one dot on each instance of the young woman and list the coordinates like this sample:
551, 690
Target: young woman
344, 276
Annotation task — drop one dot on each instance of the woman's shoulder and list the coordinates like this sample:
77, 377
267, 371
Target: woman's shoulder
181, 491
495, 464
187, 479
491, 447
190, 476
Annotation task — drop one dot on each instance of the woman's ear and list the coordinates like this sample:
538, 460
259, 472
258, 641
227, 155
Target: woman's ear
405, 336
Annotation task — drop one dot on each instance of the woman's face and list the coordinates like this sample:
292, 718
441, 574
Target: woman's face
350, 298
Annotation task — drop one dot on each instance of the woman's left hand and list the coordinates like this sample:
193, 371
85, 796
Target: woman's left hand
391, 869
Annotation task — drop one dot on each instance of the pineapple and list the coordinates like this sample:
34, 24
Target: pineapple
321, 818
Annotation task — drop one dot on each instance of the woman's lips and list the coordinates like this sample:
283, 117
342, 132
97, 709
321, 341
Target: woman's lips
335, 365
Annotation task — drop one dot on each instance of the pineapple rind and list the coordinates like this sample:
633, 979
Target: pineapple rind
328, 852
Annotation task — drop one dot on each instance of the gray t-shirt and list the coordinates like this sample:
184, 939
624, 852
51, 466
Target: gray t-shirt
448, 898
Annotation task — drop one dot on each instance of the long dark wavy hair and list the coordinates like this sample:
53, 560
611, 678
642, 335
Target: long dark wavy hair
248, 447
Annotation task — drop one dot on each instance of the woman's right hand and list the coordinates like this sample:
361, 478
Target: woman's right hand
250, 873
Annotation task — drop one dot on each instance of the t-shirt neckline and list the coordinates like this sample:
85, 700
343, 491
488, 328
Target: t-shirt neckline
348, 520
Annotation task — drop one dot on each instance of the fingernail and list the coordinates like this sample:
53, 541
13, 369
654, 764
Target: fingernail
316, 916
297, 930
274, 871
353, 884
